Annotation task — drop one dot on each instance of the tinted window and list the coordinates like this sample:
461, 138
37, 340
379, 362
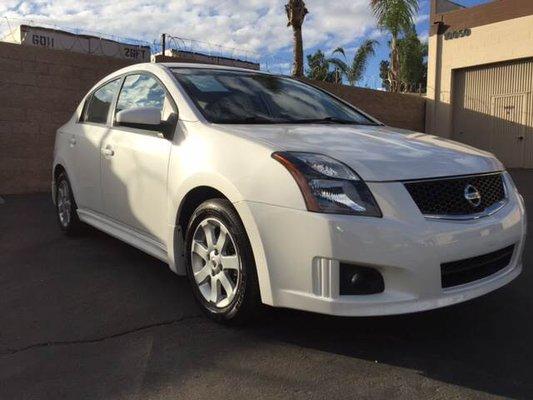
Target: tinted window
99, 103
225, 96
144, 91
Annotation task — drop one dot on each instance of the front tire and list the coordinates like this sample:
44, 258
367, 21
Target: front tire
220, 263
66, 208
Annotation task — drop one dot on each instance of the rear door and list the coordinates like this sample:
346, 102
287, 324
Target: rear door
93, 128
135, 161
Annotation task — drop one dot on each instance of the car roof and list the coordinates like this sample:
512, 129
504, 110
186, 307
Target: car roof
209, 66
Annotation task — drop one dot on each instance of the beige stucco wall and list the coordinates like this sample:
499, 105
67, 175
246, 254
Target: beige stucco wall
497, 42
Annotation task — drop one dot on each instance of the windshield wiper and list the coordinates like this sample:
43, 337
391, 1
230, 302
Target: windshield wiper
330, 120
264, 120
249, 120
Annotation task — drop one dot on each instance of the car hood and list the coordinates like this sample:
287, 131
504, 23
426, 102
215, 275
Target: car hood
376, 153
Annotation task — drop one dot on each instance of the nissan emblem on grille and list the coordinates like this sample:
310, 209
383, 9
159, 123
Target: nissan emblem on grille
472, 195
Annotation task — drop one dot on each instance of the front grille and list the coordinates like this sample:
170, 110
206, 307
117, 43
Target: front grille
447, 196
471, 269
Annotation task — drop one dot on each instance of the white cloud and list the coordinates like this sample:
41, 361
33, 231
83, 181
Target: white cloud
254, 25
6, 5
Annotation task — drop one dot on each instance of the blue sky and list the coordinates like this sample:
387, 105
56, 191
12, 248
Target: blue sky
253, 27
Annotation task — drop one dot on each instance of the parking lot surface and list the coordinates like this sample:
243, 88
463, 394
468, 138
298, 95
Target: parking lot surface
93, 318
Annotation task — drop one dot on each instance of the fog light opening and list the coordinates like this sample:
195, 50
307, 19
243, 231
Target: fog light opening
357, 280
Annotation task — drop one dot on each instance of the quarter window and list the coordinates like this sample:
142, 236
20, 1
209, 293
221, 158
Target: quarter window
99, 103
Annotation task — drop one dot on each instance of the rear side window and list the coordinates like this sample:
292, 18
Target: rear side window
99, 103
142, 90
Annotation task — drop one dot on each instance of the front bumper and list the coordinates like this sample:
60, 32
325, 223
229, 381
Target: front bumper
302, 252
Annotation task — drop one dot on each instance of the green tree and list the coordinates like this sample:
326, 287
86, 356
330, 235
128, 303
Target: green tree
360, 59
413, 65
319, 67
355, 71
413, 68
384, 74
340, 68
394, 16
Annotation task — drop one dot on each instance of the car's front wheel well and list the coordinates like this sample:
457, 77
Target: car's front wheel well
191, 202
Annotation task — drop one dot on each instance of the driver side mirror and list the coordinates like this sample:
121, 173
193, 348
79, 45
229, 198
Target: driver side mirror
148, 118
141, 117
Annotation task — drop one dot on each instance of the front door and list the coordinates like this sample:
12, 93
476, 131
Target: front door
135, 162
508, 128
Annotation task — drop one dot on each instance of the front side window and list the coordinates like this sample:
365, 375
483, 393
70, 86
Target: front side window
241, 97
99, 103
140, 90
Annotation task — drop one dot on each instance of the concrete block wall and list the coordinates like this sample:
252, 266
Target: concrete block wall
400, 110
39, 90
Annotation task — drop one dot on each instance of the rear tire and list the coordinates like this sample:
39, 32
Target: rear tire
220, 263
66, 208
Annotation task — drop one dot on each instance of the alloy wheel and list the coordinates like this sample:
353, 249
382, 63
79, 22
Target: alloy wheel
216, 264
63, 203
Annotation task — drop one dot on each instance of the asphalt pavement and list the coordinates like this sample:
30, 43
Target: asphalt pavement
93, 318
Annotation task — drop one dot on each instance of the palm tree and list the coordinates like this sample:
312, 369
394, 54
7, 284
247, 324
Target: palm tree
296, 13
340, 67
353, 73
319, 67
394, 16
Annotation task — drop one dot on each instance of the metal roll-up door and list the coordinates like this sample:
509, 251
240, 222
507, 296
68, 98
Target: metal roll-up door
493, 110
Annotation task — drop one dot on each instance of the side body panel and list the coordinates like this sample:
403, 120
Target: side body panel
134, 180
86, 169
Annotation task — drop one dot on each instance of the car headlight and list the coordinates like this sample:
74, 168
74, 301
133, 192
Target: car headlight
329, 186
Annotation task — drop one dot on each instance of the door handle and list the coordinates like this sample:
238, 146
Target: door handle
520, 138
108, 152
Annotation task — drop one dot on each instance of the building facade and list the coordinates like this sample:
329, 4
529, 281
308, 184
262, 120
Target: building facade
56, 39
480, 77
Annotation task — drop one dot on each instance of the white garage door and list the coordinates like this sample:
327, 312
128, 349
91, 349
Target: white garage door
493, 110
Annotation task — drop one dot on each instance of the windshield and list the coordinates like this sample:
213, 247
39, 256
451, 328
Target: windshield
242, 97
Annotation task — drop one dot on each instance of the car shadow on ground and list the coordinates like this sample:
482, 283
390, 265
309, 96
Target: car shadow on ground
483, 345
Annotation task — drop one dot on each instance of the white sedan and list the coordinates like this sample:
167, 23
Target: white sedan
264, 189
